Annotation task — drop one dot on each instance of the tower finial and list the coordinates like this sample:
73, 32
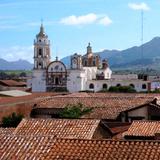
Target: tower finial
89, 48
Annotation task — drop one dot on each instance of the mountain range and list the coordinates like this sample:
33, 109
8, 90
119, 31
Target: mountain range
15, 65
145, 56
131, 58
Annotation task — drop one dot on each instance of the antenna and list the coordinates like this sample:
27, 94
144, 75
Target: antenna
142, 29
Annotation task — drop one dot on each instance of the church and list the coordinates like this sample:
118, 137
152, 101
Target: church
86, 72
46, 75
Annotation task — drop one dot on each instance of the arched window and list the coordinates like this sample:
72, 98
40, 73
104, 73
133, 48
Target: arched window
104, 86
144, 86
91, 86
132, 85
118, 85
40, 52
85, 63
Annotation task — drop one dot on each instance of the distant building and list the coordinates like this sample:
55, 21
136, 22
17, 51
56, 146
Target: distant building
86, 72
47, 75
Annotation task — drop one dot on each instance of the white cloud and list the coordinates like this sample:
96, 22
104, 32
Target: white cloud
79, 20
14, 53
86, 19
139, 6
105, 21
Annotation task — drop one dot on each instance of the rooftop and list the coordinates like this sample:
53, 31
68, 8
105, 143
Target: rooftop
143, 129
12, 83
6, 131
104, 105
61, 128
14, 93
47, 147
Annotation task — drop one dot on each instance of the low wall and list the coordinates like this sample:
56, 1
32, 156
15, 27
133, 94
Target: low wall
23, 108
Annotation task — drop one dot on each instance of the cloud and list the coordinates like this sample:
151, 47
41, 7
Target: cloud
15, 53
86, 19
79, 20
139, 6
105, 21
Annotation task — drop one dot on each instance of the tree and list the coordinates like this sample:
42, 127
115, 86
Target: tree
122, 89
12, 120
74, 111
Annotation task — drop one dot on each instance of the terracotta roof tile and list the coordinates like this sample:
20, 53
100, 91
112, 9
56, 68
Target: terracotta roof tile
25, 147
103, 107
143, 128
12, 83
6, 131
62, 128
47, 147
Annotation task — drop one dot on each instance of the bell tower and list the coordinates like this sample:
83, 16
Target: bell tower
41, 61
41, 50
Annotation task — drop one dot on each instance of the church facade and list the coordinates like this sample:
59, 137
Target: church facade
46, 75
86, 72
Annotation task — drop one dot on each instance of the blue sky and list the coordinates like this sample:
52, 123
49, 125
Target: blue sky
71, 24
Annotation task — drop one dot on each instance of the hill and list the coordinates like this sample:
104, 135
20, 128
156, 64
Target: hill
15, 65
132, 57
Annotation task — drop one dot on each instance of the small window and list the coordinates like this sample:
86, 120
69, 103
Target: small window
56, 67
118, 85
104, 86
144, 86
132, 85
91, 86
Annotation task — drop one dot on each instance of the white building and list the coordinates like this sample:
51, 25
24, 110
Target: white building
87, 72
47, 75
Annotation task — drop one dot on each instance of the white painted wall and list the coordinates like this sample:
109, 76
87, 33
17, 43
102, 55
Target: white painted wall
39, 81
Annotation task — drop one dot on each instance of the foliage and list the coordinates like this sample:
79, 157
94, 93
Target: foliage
103, 91
86, 91
13, 74
12, 120
74, 111
122, 89
60, 89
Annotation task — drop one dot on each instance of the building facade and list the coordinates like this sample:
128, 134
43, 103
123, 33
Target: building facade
46, 75
86, 72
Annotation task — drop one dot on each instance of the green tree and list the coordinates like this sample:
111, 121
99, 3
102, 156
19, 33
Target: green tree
74, 111
12, 120
122, 89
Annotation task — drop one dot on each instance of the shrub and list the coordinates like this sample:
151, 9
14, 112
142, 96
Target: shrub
122, 89
12, 120
74, 111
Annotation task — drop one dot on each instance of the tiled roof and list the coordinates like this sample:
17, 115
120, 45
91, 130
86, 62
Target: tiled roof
105, 150
143, 128
12, 83
26, 147
103, 107
6, 131
47, 147
61, 128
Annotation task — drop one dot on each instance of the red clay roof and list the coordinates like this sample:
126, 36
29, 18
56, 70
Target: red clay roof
143, 129
12, 83
62, 128
6, 131
103, 107
47, 147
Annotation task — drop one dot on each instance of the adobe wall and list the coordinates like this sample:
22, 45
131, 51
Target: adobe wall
22, 108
